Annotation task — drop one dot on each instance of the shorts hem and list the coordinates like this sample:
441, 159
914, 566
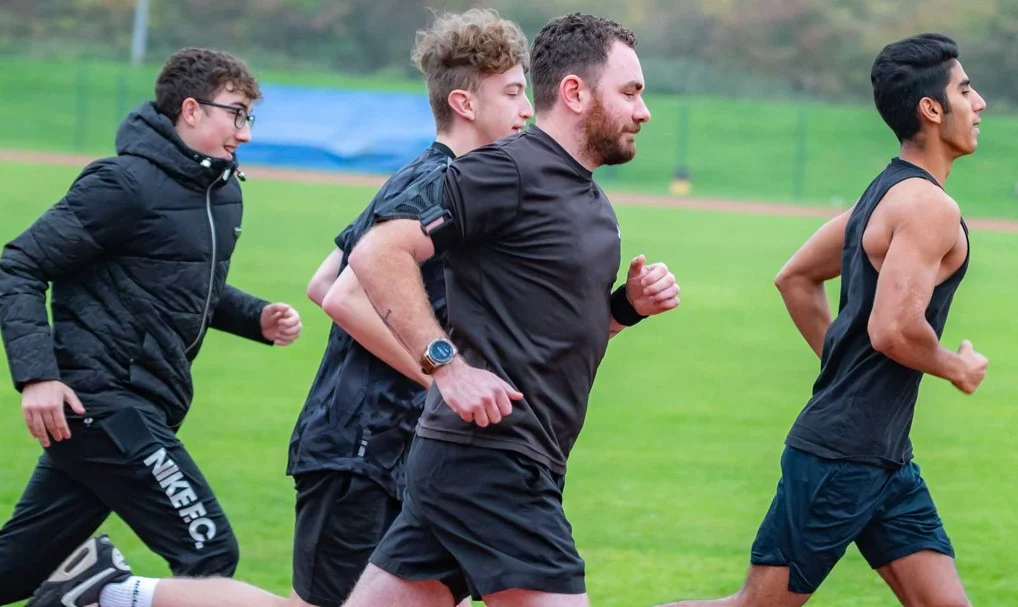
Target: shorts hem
533, 583
316, 599
910, 550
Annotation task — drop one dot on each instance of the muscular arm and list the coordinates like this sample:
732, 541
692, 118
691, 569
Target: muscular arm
324, 277
386, 260
924, 229
348, 305
801, 280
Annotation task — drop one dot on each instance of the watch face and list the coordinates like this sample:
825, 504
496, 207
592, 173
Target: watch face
441, 351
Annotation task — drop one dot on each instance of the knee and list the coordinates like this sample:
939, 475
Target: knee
215, 559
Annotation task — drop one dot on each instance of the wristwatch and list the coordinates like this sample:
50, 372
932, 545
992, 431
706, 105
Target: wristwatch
439, 352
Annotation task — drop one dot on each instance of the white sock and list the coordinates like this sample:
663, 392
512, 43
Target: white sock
133, 592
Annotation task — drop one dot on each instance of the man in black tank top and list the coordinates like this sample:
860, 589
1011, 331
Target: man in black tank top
901, 252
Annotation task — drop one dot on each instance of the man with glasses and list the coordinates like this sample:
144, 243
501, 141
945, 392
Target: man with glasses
137, 253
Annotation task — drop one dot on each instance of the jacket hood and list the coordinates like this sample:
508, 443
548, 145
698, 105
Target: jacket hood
150, 135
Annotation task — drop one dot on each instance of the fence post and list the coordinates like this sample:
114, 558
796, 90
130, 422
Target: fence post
81, 105
801, 123
121, 103
680, 185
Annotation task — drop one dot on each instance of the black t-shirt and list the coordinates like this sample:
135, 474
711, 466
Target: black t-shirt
360, 413
528, 286
863, 402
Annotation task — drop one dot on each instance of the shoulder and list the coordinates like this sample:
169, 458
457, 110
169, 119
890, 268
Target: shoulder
918, 201
115, 178
488, 166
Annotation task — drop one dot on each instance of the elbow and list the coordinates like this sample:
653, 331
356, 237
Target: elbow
316, 290
885, 337
334, 304
785, 282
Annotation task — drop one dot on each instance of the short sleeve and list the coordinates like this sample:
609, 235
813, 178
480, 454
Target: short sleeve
343, 239
482, 193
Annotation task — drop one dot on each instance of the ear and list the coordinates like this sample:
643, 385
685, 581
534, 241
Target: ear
930, 110
574, 93
463, 104
190, 112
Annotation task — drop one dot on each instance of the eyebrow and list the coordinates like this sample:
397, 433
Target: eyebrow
965, 82
633, 84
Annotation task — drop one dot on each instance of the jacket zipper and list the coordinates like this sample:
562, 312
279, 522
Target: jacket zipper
212, 269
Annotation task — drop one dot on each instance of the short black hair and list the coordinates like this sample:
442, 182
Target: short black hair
907, 71
200, 73
572, 44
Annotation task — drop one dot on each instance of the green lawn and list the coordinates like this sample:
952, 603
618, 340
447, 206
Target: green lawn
742, 149
679, 458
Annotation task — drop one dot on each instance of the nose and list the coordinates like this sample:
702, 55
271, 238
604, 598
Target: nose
980, 104
528, 110
641, 113
244, 134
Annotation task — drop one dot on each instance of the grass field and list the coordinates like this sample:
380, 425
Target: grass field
742, 149
679, 457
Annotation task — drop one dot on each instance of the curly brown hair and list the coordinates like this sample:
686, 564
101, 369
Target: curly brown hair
573, 44
200, 73
459, 50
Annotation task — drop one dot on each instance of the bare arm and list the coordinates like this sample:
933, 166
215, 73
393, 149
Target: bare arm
348, 305
801, 280
386, 260
324, 277
922, 234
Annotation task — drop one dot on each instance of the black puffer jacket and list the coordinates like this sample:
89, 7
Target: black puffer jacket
129, 251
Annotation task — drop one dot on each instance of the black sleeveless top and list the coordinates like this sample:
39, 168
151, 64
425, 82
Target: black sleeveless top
863, 402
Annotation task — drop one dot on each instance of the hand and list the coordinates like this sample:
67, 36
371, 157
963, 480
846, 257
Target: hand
975, 368
651, 289
476, 395
43, 405
280, 324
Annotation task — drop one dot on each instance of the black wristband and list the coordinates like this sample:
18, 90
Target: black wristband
622, 309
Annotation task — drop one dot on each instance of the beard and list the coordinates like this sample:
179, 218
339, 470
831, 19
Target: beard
603, 139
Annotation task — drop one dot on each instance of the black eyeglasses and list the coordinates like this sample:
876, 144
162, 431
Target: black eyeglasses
240, 115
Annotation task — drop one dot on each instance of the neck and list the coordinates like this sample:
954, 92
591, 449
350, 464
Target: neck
460, 138
933, 159
569, 135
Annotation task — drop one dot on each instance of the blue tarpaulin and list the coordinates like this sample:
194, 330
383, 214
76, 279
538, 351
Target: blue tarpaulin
338, 129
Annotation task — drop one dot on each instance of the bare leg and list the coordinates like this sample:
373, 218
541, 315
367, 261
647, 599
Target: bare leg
925, 579
378, 588
764, 587
296, 601
214, 592
529, 598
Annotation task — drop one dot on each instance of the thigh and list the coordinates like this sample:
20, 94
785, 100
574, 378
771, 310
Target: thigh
340, 518
925, 578
819, 508
906, 523
410, 551
54, 515
138, 467
499, 514
529, 598
379, 588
